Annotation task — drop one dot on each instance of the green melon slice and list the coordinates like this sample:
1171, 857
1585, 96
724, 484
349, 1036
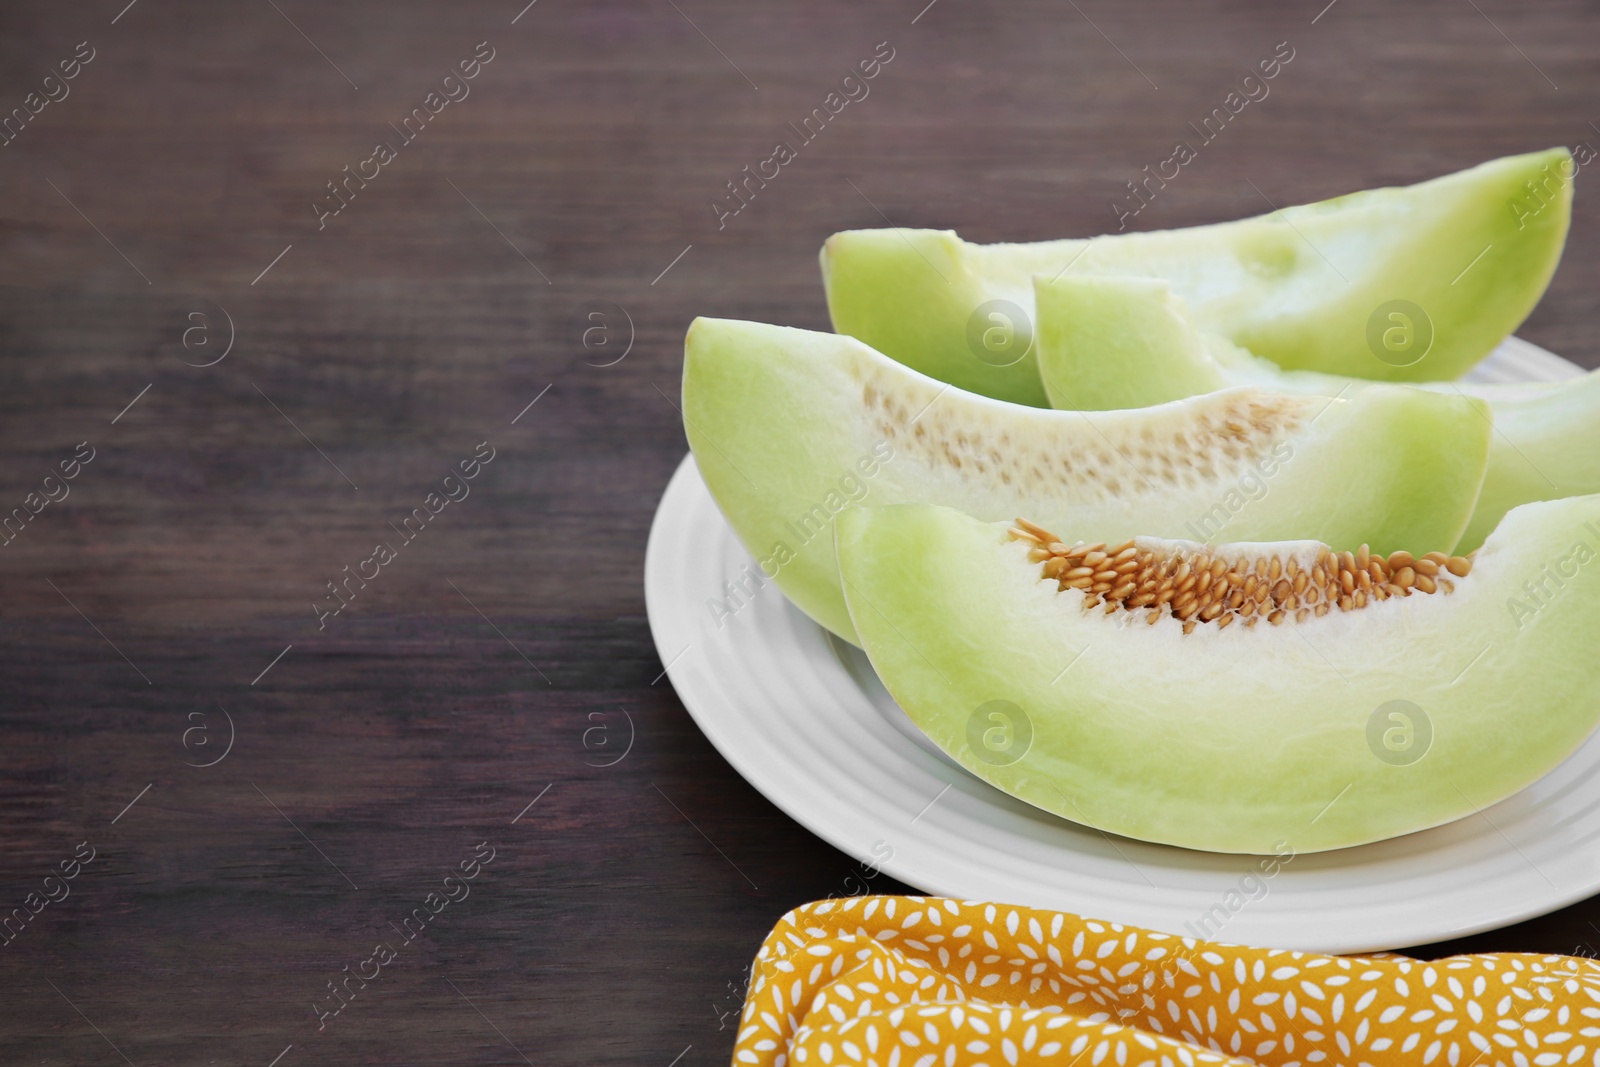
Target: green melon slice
789, 427
1122, 342
1474, 249
1546, 445
1320, 732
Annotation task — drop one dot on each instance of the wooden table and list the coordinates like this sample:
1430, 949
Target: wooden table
166, 204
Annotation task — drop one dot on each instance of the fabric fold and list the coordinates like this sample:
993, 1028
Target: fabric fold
934, 982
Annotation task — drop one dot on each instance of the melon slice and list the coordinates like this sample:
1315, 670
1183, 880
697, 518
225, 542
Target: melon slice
1268, 708
1121, 342
1299, 286
789, 427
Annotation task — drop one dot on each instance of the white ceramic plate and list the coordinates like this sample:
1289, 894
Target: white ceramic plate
804, 718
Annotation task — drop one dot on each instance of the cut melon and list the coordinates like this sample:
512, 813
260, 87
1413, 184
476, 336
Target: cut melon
1299, 286
1123, 342
789, 427
1283, 711
1546, 445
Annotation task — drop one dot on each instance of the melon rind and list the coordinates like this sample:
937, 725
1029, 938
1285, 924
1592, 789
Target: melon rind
1237, 740
789, 427
1108, 342
1296, 286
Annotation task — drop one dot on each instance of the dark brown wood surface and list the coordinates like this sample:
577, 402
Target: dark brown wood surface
178, 174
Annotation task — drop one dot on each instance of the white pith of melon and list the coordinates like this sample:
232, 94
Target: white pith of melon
1112, 342
786, 423
1236, 739
1296, 286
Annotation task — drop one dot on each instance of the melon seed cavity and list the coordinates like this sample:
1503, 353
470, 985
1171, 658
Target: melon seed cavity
1197, 586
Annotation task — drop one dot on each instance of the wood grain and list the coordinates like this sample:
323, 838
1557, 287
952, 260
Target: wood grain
621, 909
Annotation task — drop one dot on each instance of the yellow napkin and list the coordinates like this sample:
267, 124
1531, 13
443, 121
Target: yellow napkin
930, 982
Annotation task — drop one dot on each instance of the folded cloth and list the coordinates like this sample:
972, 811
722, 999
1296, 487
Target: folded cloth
930, 982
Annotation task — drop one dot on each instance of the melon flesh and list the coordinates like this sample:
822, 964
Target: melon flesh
790, 427
1237, 739
1122, 342
1296, 286
1546, 445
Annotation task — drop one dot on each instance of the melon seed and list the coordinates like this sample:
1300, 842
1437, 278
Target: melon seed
1198, 588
